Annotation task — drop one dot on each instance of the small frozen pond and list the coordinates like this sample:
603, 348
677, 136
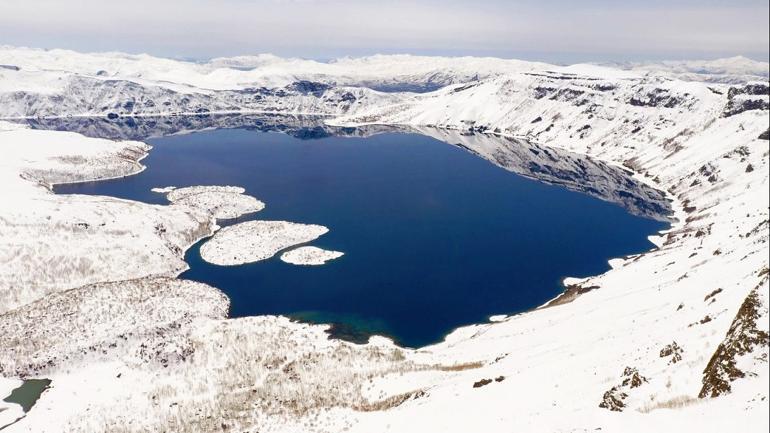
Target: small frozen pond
28, 393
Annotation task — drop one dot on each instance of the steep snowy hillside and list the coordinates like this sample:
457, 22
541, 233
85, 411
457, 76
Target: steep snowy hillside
673, 339
707, 147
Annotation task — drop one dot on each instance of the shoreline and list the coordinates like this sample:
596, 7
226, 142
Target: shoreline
164, 115
499, 316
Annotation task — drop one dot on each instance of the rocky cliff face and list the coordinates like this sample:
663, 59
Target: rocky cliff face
85, 96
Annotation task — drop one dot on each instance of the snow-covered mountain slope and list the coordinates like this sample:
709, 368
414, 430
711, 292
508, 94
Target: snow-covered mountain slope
583, 106
38, 83
78, 95
244, 72
671, 339
559, 167
51, 243
704, 146
732, 70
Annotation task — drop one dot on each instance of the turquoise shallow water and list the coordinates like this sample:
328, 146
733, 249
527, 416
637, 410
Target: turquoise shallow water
434, 236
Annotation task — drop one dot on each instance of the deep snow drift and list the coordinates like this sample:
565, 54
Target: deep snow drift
672, 339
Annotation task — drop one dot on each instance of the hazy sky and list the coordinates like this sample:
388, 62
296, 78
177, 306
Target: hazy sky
558, 30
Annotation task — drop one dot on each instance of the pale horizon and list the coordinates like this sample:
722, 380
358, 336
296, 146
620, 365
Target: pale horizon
555, 32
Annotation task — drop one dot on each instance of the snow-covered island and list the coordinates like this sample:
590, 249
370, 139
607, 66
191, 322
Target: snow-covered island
253, 241
310, 256
674, 338
222, 202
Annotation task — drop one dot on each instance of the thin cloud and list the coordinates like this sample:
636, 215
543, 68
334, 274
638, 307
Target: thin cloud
316, 28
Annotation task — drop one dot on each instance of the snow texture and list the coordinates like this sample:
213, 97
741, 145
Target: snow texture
253, 241
222, 202
310, 256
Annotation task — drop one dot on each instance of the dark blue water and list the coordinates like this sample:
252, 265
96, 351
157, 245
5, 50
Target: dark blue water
434, 237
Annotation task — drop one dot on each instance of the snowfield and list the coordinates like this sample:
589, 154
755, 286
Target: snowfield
52, 243
673, 339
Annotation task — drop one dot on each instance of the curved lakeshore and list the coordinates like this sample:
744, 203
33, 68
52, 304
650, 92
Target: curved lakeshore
413, 215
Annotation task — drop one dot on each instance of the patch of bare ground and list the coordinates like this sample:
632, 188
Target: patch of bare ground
672, 403
742, 338
674, 351
571, 292
614, 398
389, 403
485, 382
712, 294
460, 366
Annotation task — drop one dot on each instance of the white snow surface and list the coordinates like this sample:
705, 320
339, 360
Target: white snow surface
310, 255
9, 412
223, 202
254, 71
50, 83
57, 242
252, 241
659, 337
727, 70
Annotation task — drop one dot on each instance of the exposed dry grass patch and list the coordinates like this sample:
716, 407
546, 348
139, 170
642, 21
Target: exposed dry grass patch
672, 403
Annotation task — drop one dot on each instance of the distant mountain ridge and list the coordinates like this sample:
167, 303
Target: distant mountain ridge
40, 83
